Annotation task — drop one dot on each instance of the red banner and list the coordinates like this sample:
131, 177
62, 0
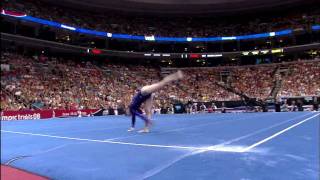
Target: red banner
12, 13
43, 114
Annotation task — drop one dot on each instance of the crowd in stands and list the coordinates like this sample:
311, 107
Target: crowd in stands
68, 85
255, 82
302, 80
40, 82
160, 26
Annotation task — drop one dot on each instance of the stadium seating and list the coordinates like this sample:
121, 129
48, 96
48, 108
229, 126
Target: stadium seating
44, 83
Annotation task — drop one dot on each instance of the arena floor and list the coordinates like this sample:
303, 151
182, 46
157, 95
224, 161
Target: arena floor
237, 146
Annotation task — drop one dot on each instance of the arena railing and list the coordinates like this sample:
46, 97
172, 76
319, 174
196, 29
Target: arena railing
61, 47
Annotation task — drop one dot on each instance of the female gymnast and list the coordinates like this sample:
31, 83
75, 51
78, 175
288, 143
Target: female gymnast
145, 95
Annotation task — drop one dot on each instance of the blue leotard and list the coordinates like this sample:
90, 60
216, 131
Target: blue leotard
136, 102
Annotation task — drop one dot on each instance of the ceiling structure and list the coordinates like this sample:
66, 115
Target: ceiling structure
181, 6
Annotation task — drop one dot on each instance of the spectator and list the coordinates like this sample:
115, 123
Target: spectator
203, 108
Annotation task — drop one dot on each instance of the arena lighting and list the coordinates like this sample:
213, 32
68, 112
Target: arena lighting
147, 38
91, 32
184, 55
283, 32
68, 27
255, 52
245, 53
211, 55
156, 55
276, 51
214, 55
229, 38
265, 51
272, 34
127, 36
315, 27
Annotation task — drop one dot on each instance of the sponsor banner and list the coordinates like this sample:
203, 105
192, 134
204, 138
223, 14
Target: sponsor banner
66, 113
43, 114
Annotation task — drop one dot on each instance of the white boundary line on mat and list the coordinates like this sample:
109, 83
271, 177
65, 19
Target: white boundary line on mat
192, 148
278, 133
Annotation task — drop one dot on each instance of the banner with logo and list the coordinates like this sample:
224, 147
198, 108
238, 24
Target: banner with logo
44, 114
